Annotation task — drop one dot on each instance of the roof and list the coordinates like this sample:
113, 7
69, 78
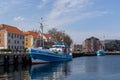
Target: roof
48, 36
92, 38
34, 34
11, 29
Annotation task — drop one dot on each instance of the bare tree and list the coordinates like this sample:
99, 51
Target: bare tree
60, 35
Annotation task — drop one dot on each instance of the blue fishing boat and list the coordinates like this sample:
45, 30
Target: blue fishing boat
58, 52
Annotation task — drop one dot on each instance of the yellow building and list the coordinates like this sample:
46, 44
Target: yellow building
30, 39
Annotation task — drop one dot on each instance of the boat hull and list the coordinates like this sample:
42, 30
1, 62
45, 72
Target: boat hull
45, 56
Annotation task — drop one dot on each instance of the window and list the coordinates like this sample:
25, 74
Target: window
23, 42
9, 41
8, 46
15, 41
12, 36
15, 35
26, 39
23, 37
18, 42
12, 47
8, 34
20, 36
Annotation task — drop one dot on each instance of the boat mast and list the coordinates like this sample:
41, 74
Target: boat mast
41, 36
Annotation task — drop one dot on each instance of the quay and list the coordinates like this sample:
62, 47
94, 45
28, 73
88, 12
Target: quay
80, 54
9, 58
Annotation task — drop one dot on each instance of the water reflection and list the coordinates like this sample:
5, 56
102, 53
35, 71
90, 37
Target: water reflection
52, 71
14, 72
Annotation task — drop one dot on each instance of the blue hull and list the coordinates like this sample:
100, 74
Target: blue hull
47, 56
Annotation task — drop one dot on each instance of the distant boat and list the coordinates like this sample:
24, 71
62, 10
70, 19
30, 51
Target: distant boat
59, 52
100, 52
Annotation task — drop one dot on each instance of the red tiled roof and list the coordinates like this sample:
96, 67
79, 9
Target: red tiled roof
47, 36
11, 29
35, 34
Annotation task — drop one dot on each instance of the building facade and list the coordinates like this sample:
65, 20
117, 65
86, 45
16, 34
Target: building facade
11, 38
112, 45
92, 44
33, 39
30, 39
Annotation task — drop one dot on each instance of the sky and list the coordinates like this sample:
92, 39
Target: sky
80, 19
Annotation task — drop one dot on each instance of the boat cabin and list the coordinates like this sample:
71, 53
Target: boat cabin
60, 49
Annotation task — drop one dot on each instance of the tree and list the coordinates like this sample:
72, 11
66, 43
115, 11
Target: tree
60, 35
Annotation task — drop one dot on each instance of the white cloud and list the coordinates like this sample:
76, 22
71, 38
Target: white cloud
18, 18
68, 11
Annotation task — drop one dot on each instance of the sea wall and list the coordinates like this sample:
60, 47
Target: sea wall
8, 58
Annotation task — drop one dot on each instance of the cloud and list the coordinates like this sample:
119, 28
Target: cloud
19, 18
65, 12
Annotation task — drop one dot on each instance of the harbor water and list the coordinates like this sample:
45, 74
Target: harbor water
81, 68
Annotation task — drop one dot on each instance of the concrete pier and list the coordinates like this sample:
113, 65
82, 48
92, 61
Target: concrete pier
14, 58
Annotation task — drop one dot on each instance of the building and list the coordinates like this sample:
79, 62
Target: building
112, 45
48, 40
91, 44
11, 38
30, 39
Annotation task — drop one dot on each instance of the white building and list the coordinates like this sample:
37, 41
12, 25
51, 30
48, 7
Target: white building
11, 38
